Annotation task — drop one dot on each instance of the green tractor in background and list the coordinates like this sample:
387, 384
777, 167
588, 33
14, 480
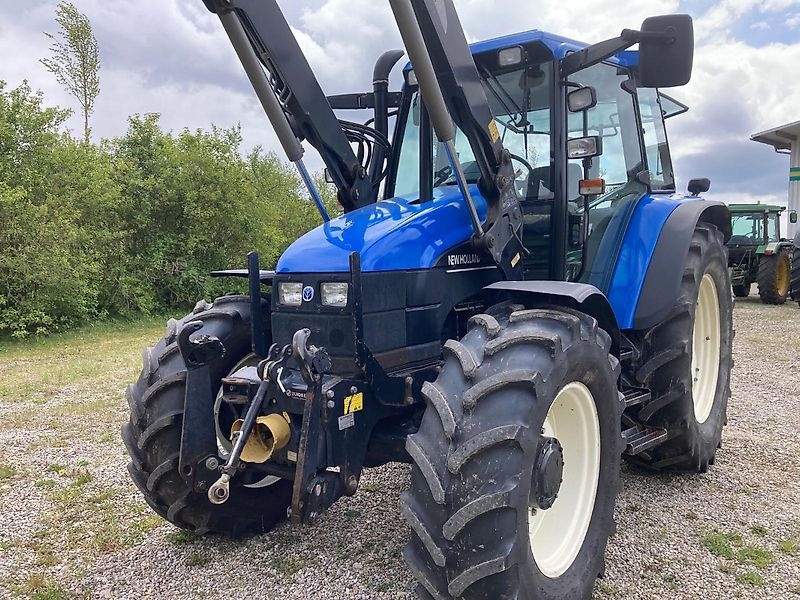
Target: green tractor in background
796, 266
757, 253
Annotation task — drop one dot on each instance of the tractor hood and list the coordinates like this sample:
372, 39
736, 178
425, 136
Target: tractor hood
391, 235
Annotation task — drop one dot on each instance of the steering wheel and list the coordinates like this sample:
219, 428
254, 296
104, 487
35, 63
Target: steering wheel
522, 182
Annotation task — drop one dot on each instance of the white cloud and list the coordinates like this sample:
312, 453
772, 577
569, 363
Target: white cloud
172, 57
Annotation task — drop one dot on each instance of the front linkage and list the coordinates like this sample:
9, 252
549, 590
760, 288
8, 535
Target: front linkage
296, 419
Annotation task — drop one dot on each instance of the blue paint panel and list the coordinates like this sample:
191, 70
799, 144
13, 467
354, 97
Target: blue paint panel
391, 235
637, 249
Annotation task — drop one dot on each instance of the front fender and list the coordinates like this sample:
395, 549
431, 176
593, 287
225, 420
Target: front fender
579, 296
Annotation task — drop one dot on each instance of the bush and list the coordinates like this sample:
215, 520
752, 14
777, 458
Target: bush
133, 225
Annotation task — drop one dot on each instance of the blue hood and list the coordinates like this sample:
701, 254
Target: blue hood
391, 235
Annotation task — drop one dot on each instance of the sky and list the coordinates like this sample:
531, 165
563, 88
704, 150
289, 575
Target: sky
172, 57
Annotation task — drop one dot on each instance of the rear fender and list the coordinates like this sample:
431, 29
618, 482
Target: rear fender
662, 281
578, 296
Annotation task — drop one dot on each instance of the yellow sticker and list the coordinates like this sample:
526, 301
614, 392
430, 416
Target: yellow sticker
495, 135
515, 260
353, 403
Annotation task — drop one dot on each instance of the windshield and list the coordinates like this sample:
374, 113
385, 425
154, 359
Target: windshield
520, 102
747, 229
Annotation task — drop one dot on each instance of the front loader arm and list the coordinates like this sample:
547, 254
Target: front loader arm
443, 46
300, 96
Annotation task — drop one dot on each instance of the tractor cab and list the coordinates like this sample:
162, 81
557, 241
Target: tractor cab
754, 225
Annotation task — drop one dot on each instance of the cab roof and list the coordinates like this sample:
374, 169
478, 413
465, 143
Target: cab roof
560, 46
751, 208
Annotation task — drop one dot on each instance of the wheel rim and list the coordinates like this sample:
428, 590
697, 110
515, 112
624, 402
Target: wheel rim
705, 349
782, 277
557, 534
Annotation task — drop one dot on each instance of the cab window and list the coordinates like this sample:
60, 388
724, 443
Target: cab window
594, 222
659, 162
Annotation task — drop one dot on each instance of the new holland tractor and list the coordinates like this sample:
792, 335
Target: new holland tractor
514, 297
758, 253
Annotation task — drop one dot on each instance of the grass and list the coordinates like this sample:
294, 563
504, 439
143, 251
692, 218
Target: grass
788, 546
38, 587
732, 547
288, 565
195, 559
721, 544
76, 364
182, 537
750, 578
7, 472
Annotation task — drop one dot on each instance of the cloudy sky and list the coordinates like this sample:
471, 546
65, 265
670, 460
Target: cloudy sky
171, 57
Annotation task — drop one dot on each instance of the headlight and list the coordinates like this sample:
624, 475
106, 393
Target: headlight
334, 294
290, 293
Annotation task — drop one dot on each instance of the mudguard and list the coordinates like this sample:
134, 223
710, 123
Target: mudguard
579, 296
662, 281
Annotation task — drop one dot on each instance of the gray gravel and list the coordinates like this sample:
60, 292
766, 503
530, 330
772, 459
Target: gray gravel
75, 537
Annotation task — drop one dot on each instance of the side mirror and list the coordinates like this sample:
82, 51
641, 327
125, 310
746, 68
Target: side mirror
585, 147
793, 216
582, 99
699, 186
666, 51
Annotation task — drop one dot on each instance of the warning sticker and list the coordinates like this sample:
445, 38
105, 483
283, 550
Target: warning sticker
495, 135
354, 403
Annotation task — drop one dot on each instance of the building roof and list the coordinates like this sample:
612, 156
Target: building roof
780, 138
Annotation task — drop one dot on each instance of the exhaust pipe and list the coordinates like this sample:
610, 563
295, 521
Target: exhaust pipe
270, 433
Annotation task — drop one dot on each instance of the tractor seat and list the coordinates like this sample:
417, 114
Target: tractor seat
540, 182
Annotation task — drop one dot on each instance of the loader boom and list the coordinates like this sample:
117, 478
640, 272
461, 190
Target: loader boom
454, 79
293, 83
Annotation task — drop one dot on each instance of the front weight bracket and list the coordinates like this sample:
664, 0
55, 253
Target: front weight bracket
198, 434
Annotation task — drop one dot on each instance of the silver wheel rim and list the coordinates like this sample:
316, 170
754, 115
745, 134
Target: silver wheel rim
557, 534
705, 349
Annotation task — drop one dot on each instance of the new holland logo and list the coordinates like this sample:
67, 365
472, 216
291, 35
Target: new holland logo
463, 260
308, 293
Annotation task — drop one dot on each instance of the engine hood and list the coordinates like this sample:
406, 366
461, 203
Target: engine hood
391, 235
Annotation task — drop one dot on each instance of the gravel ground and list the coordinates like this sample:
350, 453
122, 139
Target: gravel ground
73, 525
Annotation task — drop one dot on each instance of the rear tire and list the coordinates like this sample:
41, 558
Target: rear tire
690, 397
742, 291
513, 379
774, 273
153, 434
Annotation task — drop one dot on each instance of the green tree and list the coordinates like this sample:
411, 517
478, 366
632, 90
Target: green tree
75, 59
47, 277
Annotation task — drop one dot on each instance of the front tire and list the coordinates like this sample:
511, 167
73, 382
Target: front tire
686, 362
152, 436
515, 381
742, 291
774, 273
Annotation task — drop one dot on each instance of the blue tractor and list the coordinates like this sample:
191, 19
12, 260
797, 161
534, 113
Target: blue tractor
514, 297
